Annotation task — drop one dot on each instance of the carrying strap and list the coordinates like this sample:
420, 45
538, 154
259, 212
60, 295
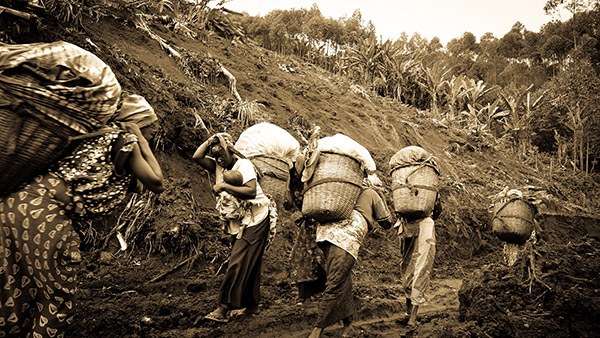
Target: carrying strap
271, 173
98, 132
501, 218
398, 185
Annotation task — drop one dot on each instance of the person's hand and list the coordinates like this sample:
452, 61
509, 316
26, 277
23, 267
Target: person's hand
217, 188
213, 140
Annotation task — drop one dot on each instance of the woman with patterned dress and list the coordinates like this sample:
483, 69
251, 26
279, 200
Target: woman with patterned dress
39, 244
241, 288
306, 268
340, 242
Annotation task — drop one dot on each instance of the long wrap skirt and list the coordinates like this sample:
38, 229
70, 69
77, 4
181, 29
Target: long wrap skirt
241, 287
338, 301
39, 255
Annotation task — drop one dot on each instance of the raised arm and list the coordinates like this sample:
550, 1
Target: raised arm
200, 154
143, 165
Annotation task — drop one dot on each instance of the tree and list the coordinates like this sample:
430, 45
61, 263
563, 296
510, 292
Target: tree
577, 93
433, 79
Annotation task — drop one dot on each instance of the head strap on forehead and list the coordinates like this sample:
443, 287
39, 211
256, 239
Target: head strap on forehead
226, 142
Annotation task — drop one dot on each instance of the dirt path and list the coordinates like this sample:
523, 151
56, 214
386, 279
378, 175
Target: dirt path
378, 317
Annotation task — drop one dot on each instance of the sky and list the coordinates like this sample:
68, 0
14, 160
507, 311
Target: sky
446, 19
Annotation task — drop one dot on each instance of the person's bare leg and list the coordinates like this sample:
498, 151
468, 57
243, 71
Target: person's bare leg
347, 326
316, 332
412, 320
408, 309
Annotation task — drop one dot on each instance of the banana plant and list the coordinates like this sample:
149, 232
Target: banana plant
432, 80
454, 95
365, 58
475, 90
520, 106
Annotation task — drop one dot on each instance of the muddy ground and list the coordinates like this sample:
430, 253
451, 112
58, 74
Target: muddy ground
168, 277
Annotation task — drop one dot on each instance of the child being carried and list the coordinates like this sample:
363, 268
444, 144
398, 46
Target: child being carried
229, 206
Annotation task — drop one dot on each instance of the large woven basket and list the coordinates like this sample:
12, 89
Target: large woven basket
275, 176
29, 144
414, 190
512, 220
332, 191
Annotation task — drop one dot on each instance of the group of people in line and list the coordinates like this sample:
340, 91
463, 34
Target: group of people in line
338, 241
40, 244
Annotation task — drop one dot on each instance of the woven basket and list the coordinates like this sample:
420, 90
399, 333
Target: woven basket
275, 176
512, 220
414, 190
29, 145
333, 189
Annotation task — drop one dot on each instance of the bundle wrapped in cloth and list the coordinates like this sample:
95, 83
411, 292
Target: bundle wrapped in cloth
49, 92
415, 177
334, 175
272, 150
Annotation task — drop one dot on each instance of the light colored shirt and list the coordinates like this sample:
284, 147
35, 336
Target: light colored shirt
349, 234
260, 203
346, 234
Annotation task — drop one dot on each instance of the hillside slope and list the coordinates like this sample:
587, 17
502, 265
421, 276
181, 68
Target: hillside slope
139, 293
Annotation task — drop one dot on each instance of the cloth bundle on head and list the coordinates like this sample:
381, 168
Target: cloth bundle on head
268, 139
135, 109
413, 155
60, 80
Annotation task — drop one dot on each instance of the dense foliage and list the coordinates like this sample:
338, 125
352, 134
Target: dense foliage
534, 90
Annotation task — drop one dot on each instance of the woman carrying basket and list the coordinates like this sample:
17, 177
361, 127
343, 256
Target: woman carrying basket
306, 266
241, 287
39, 244
416, 228
340, 242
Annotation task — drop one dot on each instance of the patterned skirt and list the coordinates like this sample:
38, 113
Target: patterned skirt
39, 254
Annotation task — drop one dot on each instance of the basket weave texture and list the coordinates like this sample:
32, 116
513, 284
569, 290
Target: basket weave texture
28, 146
414, 190
40, 110
333, 189
275, 176
512, 220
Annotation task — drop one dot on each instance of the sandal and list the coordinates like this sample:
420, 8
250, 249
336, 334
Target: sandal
244, 312
216, 317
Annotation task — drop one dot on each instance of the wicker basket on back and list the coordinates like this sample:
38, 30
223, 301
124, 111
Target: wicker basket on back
49, 92
332, 191
28, 145
415, 190
512, 220
275, 176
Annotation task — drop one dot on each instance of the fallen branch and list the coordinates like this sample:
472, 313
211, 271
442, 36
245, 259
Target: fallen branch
232, 83
15, 12
175, 268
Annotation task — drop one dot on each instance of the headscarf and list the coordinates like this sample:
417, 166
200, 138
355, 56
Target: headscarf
226, 142
135, 109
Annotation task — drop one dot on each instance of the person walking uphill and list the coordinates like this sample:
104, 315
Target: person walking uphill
340, 242
39, 244
415, 168
241, 287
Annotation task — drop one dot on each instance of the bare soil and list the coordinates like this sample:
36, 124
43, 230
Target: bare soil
140, 292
